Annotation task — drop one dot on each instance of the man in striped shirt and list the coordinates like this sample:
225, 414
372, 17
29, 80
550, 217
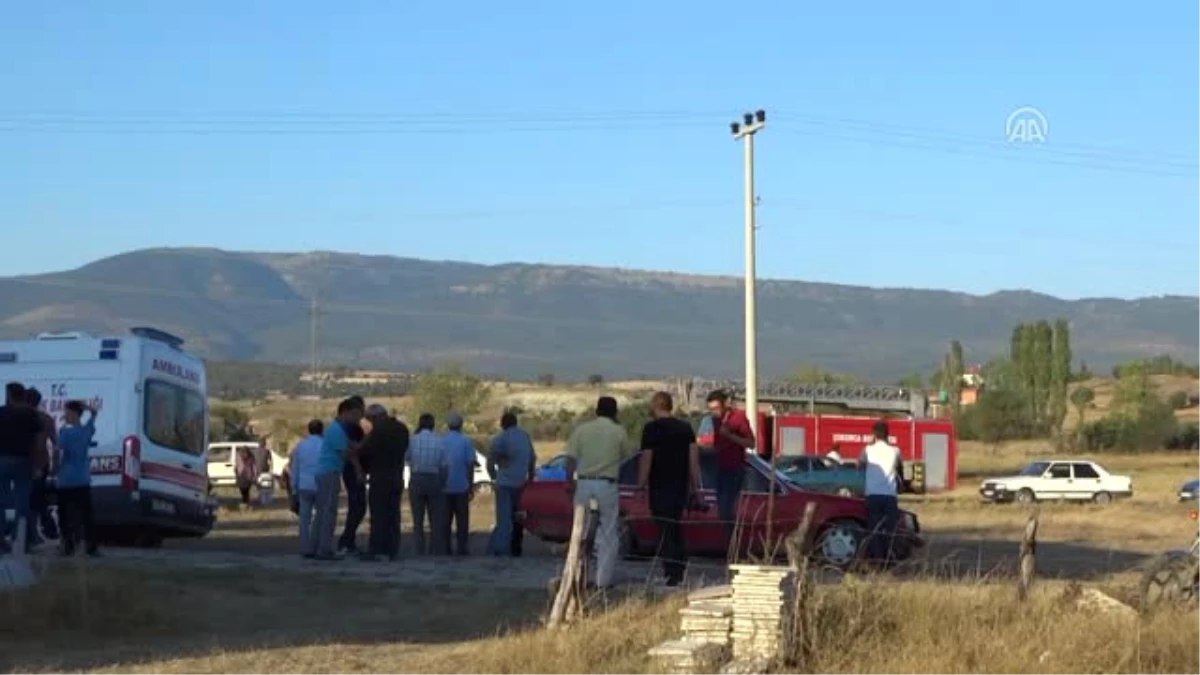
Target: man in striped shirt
428, 466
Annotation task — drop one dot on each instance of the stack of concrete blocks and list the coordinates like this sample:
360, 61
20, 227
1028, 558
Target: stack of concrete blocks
705, 623
708, 616
763, 596
688, 656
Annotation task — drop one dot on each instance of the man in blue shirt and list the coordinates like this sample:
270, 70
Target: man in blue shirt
460, 478
510, 464
302, 474
75, 478
426, 486
336, 447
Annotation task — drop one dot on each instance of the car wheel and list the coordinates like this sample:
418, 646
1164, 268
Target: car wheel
845, 492
1026, 496
1102, 498
839, 543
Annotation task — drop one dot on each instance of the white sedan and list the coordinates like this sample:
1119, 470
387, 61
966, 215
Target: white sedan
1075, 480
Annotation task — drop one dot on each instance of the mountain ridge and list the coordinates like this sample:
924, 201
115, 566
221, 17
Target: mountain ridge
523, 319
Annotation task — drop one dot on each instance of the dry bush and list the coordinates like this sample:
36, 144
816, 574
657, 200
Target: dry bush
98, 603
615, 641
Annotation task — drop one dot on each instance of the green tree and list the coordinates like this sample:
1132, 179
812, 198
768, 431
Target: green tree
911, 381
449, 389
229, 423
595, 380
1043, 365
1081, 398
1060, 376
546, 380
1027, 364
1143, 421
953, 373
1179, 400
1000, 415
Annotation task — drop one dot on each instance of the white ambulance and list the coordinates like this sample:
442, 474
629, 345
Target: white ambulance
149, 479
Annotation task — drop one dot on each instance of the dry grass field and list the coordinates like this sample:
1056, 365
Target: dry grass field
241, 601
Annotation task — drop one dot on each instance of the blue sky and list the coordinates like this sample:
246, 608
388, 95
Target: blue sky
596, 133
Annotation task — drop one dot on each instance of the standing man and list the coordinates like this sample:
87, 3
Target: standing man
460, 481
336, 448
732, 436
594, 452
302, 476
354, 477
264, 470
386, 446
426, 485
20, 432
669, 471
511, 462
884, 467
75, 479
39, 503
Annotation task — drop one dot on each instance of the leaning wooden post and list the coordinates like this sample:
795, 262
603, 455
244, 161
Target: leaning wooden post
569, 581
796, 643
1028, 556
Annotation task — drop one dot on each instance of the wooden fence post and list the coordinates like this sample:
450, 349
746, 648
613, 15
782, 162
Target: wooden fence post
566, 599
797, 643
1028, 556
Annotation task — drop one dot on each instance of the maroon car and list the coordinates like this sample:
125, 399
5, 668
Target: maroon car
839, 523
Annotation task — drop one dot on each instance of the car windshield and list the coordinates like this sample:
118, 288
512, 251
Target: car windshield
1035, 469
766, 469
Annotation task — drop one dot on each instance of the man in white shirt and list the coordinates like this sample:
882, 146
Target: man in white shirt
883, 465
302, 470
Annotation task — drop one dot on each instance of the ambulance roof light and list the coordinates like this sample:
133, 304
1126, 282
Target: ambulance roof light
173, 341
66, 335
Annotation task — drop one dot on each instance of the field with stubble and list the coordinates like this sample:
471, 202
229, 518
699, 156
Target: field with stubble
240, 600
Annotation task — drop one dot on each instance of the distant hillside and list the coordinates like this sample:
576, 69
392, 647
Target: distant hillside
521, 320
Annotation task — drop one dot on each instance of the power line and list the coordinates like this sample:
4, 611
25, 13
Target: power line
277, 123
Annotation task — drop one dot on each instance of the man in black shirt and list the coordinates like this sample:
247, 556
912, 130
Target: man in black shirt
385, 447
670, 471
21, 433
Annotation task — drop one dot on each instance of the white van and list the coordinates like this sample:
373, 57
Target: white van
149, 478
221, 457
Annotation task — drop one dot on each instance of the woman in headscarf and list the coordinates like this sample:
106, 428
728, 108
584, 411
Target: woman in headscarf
246, 471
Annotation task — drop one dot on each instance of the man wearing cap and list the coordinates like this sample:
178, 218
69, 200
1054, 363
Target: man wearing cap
460, 478
386, 445
594, 455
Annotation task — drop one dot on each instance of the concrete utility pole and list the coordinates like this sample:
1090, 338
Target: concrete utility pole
744, 131
314, 313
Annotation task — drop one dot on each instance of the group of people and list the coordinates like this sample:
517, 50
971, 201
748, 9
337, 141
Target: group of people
370, 465
37, 456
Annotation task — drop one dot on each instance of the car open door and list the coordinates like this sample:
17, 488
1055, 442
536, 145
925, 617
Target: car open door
703, 533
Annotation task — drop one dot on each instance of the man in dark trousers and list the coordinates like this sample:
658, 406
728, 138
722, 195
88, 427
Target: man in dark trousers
39, 499
354, 479
732, 436
386, 446
669, 471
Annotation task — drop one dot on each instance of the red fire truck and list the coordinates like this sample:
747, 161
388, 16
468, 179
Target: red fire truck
929, 446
